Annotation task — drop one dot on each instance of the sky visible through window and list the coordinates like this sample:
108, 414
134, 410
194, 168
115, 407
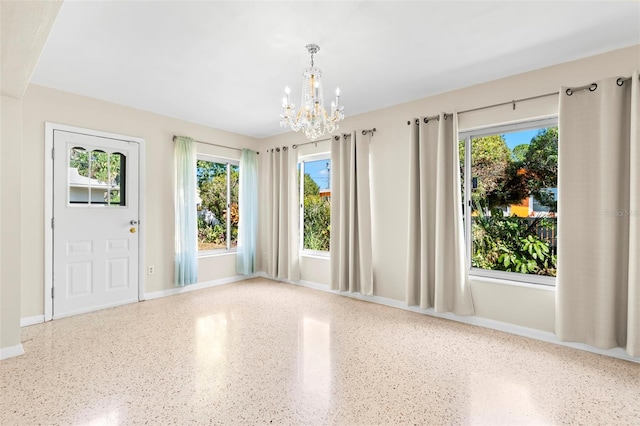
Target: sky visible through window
516, 138
319, 172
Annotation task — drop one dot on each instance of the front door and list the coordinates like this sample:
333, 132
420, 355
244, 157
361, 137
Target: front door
95, 228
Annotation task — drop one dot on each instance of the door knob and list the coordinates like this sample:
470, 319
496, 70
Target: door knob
134, 222
132, 230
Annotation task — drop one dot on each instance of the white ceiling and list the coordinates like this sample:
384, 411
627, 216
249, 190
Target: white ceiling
225, 64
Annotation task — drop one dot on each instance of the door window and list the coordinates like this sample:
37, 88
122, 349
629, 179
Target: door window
96, 178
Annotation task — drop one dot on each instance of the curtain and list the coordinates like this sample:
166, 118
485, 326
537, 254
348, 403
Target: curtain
186, 225
283, 260
248, 212
598, 282
437, 274
351, 259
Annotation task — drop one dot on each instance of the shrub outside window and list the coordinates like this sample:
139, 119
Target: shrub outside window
217, 203
509, 180
314, 182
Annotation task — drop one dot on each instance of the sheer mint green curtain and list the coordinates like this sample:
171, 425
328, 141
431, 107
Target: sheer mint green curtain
186, 225
248, 205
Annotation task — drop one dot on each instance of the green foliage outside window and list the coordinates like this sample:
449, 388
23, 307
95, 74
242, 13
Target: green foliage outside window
507, 177
512, 244
212, 212
317, 217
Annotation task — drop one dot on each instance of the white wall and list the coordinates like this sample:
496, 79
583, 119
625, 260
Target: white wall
10, 188
42, 104
521, 305
24, 27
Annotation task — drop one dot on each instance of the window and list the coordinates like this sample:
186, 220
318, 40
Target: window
96, 178
509, 180
315, 209
218, 182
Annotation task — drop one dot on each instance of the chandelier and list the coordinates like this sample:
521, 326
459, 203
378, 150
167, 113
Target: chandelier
312, 117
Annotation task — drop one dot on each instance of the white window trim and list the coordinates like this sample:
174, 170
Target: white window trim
229, 162
467, 135
315, 253
301, 160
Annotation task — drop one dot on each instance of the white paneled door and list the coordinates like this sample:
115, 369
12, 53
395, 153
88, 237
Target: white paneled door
95, 222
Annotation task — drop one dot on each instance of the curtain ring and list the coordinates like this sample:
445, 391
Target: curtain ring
364, 132
284, 148
294, 146
337, 138
593, 87
426, 120
277, 149
417, 121
409, 123
620, 81
446, 116
569, 92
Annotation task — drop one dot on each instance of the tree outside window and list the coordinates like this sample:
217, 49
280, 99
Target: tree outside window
315, 180
218, 184
511, 188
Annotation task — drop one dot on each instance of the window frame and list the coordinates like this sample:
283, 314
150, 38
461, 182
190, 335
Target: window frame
228, 162
467, 135
325, 155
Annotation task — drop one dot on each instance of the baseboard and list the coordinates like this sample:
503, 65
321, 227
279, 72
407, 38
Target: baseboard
95, 308
27, 321
518, 330
193, 287
11, 351
38, 319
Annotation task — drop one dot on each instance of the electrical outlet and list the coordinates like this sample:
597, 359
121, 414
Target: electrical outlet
151, 270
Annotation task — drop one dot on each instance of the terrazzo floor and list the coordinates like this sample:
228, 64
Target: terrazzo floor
262, 352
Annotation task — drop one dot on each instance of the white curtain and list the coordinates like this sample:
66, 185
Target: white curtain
283, 260
598, 283
351, 260
437, 273
248, 212
186, 224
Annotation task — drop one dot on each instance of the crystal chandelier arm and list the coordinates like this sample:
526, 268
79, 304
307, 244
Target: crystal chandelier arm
299, 115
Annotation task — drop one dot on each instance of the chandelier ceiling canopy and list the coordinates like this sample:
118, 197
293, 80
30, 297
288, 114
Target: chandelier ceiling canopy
311, 117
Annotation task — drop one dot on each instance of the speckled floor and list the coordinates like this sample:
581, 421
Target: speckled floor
261, 352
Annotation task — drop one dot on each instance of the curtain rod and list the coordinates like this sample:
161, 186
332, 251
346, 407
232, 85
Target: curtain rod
512, 102
591, 87
214, 144
310, 142
364, 132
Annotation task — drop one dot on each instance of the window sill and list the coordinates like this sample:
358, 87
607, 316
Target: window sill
216, 253
315, 254
513, 283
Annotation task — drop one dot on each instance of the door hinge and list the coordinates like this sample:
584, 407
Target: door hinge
53, 223
52, 292
53, 153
